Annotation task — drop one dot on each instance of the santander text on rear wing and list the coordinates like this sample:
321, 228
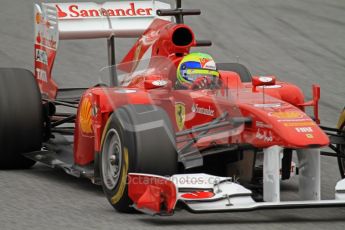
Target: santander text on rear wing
78, 20
85, 20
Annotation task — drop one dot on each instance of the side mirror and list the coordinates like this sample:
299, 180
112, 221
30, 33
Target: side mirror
263, 81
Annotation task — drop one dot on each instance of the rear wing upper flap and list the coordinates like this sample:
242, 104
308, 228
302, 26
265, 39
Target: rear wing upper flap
82, 20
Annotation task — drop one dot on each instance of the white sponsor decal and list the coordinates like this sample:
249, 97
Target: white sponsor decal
46, 33
274, 105
264, 135
270, 86
159, 83
41, 75
41, 56
125, 91
205, 111
304, 129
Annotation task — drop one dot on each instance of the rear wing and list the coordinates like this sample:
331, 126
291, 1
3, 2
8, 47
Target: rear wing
86, 20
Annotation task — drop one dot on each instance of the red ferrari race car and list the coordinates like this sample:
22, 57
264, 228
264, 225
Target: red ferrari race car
166, 127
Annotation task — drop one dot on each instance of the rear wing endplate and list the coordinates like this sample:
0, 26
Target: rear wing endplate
85, 20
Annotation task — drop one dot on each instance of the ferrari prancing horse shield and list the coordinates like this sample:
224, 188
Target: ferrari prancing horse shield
180, 114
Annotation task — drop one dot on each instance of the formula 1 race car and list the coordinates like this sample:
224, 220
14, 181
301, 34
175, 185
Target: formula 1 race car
153, 146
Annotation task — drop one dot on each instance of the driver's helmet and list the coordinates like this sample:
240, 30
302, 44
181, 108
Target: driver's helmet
194, 67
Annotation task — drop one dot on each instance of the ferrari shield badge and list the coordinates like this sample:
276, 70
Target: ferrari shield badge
180, 114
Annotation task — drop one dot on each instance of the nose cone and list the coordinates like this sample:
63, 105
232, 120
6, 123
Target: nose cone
286, 126
306, 134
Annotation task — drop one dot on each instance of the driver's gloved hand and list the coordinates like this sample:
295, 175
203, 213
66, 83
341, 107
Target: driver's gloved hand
201, 83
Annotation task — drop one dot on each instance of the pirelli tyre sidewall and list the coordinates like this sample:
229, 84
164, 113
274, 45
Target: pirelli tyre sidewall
116, 195
145, 151
21, 118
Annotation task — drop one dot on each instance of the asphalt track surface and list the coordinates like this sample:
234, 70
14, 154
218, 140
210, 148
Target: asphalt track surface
300, 41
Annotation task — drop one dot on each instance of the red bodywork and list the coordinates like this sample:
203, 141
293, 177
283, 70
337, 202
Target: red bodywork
277, 111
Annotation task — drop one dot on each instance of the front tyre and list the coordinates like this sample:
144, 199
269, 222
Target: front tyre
114, 165
136, 138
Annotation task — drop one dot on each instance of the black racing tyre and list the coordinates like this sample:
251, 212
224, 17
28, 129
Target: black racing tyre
240, 69
136, 138
20, 118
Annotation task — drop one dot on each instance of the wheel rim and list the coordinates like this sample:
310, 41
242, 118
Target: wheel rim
111, 159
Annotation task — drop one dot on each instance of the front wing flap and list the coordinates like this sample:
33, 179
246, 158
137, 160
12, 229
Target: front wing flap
202, 193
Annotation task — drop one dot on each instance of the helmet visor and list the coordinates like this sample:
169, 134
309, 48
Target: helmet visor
193, 74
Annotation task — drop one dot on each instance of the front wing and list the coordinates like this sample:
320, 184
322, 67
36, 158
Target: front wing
203, 193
